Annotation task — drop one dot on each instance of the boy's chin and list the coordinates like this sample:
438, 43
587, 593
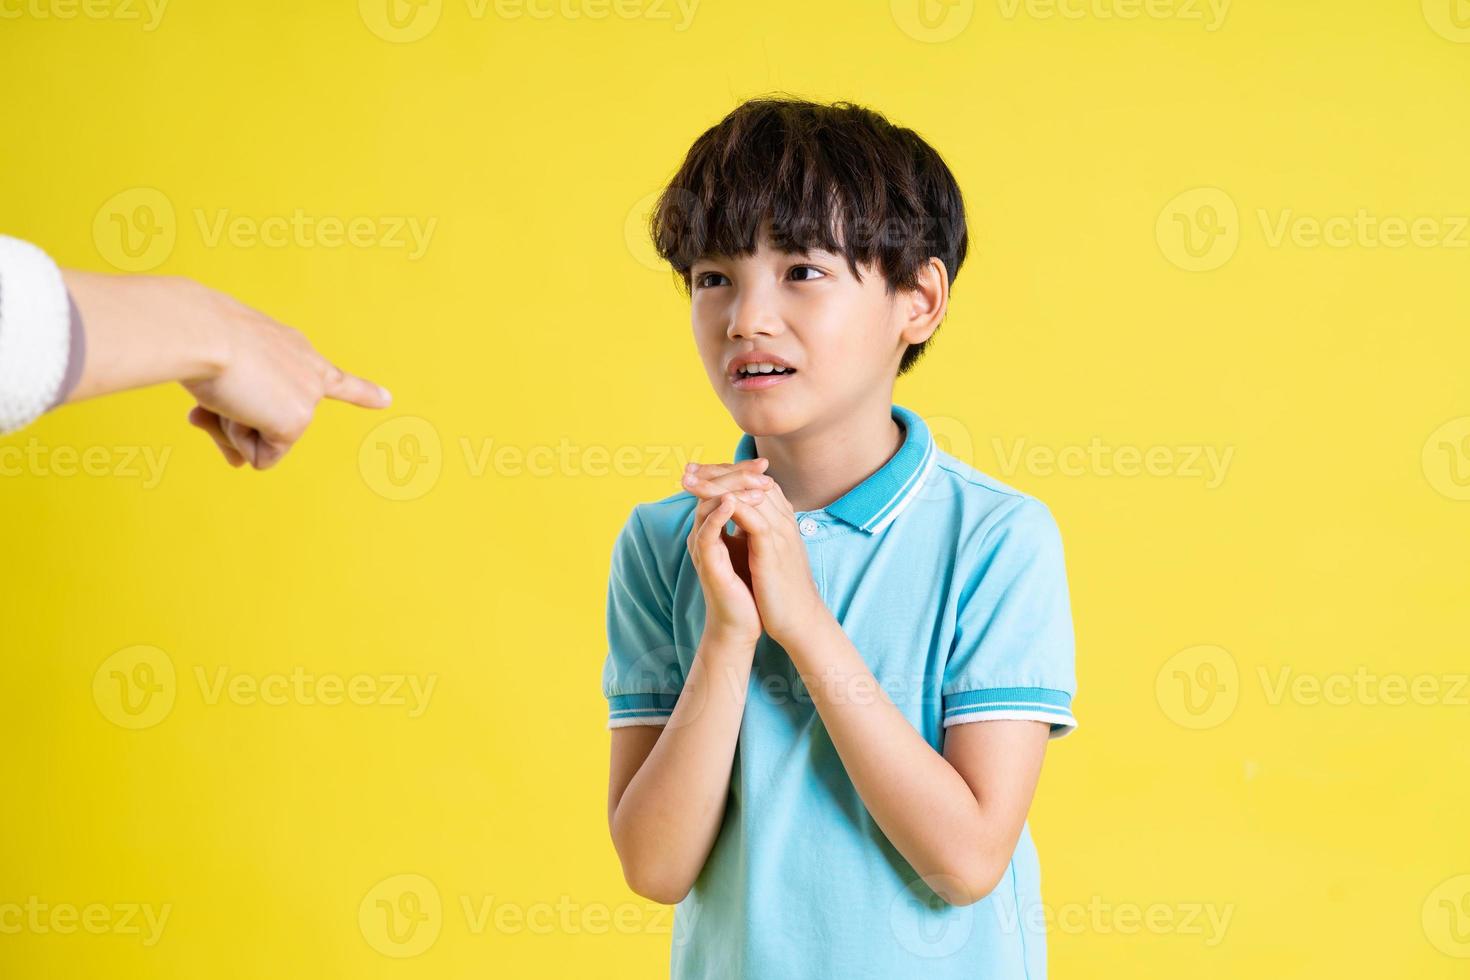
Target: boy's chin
762, 416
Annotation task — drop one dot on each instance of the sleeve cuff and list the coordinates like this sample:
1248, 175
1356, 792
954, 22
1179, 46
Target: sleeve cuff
1012, 703
639, 709
76, 355
35, 332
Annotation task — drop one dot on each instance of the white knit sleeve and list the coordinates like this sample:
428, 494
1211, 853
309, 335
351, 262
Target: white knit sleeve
35, 332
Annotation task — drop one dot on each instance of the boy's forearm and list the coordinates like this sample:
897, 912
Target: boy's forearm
921, 802
670, 813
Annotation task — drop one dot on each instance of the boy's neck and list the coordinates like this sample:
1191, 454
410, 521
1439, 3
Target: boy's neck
816, 466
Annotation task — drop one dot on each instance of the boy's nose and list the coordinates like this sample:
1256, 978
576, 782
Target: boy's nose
753, 316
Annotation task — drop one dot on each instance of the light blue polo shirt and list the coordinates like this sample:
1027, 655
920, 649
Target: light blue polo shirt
952, 587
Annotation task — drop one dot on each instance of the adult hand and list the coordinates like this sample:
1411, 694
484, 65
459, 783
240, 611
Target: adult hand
263, 399
257, 382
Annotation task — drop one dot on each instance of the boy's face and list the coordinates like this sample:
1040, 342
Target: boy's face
843, 337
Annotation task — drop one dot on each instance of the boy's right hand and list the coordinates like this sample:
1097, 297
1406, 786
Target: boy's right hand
720, 558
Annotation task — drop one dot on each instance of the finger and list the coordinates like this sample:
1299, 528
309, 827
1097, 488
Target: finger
701, 511
203, 418
245, 439
270, 453
751, 520
712, 550
707, 470
732, 481
774, 494
350, 388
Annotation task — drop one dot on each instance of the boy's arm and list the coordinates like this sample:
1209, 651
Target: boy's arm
955, 817
668, 785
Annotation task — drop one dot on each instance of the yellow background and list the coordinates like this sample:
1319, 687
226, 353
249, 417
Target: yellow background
1332, 835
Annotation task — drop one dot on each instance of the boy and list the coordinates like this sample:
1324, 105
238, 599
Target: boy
798, 759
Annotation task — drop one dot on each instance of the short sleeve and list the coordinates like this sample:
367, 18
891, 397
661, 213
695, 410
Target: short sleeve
1013, 653
641, 677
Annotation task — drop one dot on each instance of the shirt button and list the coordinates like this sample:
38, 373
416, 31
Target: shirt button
808, 527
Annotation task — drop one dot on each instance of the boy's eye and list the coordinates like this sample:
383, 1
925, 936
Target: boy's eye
707, 279
814, 272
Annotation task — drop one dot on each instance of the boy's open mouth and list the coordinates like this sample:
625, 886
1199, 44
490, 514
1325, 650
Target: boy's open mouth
754, 377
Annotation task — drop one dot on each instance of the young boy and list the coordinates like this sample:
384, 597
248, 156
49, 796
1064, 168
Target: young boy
795, 704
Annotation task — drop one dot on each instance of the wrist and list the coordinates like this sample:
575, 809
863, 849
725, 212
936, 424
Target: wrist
721, 643
199, 324
812, 616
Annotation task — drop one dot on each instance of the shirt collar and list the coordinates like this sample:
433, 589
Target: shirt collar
875, 502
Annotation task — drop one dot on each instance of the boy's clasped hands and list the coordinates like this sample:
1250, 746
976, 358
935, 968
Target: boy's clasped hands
758, 578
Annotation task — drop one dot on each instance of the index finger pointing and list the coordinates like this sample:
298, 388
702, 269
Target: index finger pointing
350, 388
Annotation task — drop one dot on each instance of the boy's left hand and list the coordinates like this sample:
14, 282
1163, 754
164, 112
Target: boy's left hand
781, 576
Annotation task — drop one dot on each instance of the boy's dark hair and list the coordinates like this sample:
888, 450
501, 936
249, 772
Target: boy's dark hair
838, 177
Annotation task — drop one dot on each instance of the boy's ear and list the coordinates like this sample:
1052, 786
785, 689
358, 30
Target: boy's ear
924, 306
